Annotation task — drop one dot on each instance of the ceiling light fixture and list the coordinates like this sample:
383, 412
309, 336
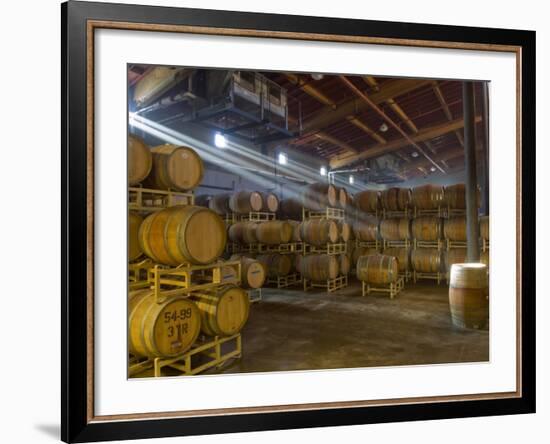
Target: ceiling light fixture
282, 159
219, 140
323, 171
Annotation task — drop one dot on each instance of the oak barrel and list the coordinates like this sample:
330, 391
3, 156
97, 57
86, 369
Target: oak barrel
270, 202
344, 264
161, 330
275, 265
366, 230
366, 201
484, 227
344, 198
454, 256
219, 203
134, 222
296, 227
223, 312
319, 196
426, 260
426, 228
395, 228
427, 197
140, 160
403, 256
243, 202
183, 234
344, 229
469, 295
454, 228
252, 272
357, 252
395, 199
274, 232
455, 196
319, 232
290, 209
175, 168
319, 267
243, 232
377, 269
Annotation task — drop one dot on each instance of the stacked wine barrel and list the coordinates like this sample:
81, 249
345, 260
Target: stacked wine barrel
183, 235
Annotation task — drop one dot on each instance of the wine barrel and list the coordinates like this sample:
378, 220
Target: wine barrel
427, 197
219, 203
455, 196
140, 160
243, 202
426, 228
290, 209
484, 227
134, 222
319, 196
319, 232
366, 201
366, 230
345, 230
276, 265
163, 329
274, 232
319, 267
229, 274
395, 199
296, 227
357, 252
454, 256
270, 202
297, 262
426, 260
394, 229
484, 258
344, 264
183, 234
469, 295
175, 168
243, 233
343, 198
403, 256
224, 311
377, 269
252, 272
454, 228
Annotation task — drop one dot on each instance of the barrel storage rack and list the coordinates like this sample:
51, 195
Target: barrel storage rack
286, 281
330, 285
393, 288
148, 200
254, 295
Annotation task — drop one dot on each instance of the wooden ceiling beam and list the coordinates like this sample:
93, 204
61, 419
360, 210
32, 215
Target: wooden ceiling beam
363, 126
394, 145
446, 109
310, 90
371, 81
334, 141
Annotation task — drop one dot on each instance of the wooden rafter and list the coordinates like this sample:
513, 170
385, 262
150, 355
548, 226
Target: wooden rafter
311, 90
446, 109
363, 126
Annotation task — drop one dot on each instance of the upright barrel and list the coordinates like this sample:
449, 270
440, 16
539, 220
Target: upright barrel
366, 201
161, 330
454, 228
366, 230
134, 222
175, 168
276, 265
319, 232
377, 269
426, 228
427, 260
274, 232
319, 267
270, 202
243, 232
469, 295
140, 160
224, 312
427, 197
243, 202
395, 199
395, 229
183, 234
318, 196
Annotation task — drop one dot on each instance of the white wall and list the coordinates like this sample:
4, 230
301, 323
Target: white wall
29, 116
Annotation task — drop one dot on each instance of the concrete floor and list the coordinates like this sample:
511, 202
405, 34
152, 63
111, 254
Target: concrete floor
293, 330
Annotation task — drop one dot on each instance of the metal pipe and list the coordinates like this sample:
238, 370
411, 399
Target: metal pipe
472, 227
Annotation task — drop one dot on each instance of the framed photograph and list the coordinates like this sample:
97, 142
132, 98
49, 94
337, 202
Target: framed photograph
276, 221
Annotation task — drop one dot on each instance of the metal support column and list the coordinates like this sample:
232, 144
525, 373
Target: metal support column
485, 114
472, 226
